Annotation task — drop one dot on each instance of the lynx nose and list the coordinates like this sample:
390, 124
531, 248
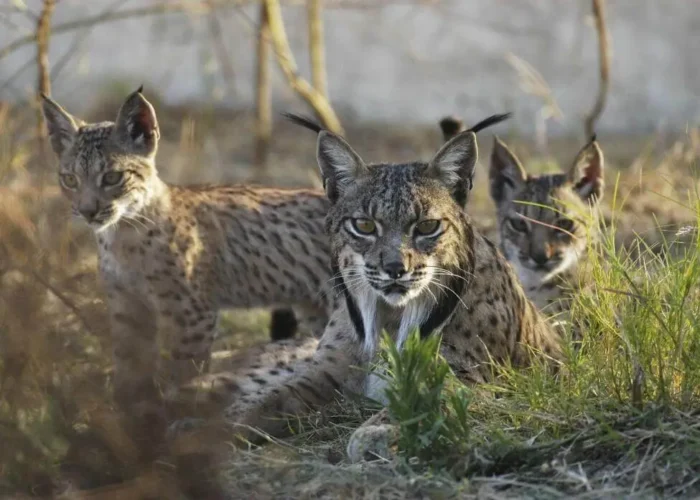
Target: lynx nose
540, 258
88, 213
395, 269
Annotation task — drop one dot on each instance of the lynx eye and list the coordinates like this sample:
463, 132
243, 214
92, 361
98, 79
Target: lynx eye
517, 224
427, 227
566, 225
112, 178
69, 180
364, 226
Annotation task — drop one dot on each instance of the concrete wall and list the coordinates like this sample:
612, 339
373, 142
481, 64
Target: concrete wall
412, 63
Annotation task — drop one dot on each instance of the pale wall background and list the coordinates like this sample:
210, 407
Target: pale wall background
409, 63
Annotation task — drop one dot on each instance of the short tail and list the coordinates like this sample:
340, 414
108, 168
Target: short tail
304, 121
491, 120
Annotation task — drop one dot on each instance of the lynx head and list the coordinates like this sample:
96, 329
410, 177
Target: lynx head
399, 236
545, 220
105, 168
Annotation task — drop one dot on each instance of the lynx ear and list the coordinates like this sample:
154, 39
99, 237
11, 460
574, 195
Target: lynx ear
506, 173
451, 126
136, 126
340, 165
587, 172
454, 165
62, 126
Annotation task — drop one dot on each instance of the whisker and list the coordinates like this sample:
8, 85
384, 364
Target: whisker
450, 290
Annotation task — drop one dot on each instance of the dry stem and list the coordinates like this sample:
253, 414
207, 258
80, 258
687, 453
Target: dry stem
285, 59
604, 60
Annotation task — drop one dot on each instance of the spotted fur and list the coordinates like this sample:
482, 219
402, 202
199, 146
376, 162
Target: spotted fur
171, 257
398, 273
546, 222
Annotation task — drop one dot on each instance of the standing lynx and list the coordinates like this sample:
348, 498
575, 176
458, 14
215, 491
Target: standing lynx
406, 255
545, 221
171, 257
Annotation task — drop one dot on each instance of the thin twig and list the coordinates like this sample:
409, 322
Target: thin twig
317, 52
43, 36
222, 54
86, 22
286, 62
79, 39
60, 296
604, 62
263, 96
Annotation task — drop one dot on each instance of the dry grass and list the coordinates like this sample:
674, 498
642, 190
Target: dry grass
59, 431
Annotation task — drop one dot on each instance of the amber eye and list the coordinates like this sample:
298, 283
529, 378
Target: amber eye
364, 226
518, 224
69, 180
112, 178
427, 227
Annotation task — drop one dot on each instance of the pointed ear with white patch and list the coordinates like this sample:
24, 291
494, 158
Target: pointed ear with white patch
451, 126
454, 165
136, 126
506, 173
340, 165
587, 172
61, 125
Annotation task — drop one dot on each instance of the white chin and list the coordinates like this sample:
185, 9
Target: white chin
397, 299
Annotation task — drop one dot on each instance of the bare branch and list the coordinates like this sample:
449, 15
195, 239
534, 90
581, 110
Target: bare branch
61, 297
604, 61
263, 97
221, 52
43, 35
285, 59
165, 7
316, 46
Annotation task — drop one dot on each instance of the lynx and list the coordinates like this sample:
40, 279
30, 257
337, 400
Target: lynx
171, 257
405, 255
546, 222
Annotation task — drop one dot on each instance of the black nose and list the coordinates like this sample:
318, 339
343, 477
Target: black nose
395, 269
88, 213
540, 258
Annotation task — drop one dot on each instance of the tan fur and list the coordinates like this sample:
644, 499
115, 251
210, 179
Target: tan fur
171, 257
490, 320
545, 222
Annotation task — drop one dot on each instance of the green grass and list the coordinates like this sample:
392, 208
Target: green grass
620, 419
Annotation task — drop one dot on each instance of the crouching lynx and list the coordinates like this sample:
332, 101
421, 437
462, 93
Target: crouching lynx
170, 257
545, 221
405, 255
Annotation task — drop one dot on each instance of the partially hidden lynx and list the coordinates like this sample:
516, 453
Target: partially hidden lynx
171, 257
405, 255
546, 222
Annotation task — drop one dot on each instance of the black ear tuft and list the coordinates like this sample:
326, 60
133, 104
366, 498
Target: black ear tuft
140, 89
451, 126
303, 121
490, 121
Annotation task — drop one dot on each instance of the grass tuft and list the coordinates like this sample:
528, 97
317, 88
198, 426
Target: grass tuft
620, 418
